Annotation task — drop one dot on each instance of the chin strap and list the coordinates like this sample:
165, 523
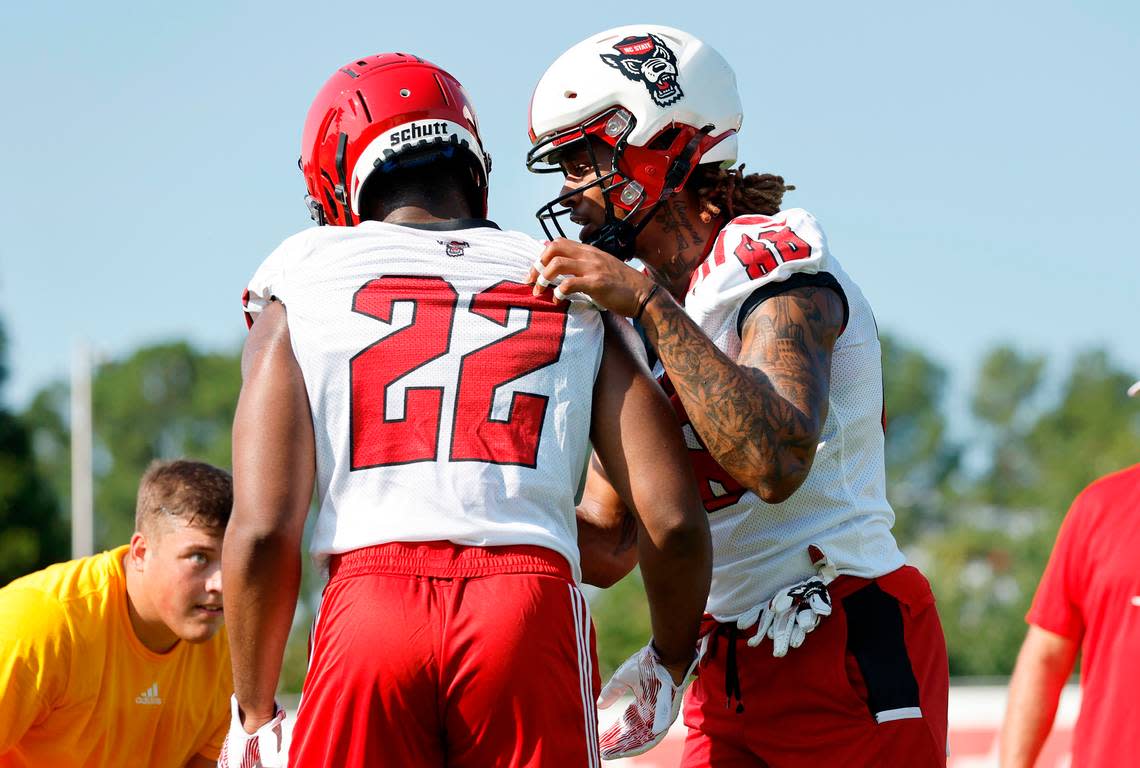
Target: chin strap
618, 237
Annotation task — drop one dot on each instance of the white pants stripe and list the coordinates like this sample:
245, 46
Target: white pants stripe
586, 673
902, 713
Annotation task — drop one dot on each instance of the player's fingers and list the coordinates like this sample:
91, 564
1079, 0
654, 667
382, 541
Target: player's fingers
780, 646
630, 736
556, 268
552, 249
559, 248
781, 633
807, 620
820, 604
563, 265
548, 274
535, 272
610, 738
569, 285
782, 601
766, 618
796, 638
613, 691
749, 618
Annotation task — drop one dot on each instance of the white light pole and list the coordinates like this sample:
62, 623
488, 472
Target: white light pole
82, 489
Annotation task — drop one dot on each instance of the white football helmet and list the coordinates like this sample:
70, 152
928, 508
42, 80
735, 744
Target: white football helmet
661, 98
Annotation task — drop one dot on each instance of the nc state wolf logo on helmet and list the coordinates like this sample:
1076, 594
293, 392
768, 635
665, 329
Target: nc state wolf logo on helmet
648, 59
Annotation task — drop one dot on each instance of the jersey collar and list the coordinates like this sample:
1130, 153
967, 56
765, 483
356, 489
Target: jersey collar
452, 224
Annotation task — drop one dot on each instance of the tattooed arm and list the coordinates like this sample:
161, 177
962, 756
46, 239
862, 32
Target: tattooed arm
760, 415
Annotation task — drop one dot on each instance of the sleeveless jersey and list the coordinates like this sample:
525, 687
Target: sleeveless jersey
842, 506
447, 402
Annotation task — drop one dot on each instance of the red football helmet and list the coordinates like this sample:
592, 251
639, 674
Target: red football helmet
376, 113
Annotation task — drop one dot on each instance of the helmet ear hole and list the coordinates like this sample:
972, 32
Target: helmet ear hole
324, 198
665, 139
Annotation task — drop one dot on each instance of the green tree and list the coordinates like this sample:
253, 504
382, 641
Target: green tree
32, 531
163, 401
1093, 430
921, 459
1038, 452
1006, 402
621, 620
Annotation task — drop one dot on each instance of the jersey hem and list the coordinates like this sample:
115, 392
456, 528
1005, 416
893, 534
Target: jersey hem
444, 559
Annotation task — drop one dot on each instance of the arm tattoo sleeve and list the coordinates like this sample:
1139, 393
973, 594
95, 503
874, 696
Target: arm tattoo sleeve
759, 415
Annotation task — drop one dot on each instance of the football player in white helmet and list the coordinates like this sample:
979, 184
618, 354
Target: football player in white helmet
770, 354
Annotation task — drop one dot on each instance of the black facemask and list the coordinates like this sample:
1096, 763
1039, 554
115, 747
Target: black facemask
617, 237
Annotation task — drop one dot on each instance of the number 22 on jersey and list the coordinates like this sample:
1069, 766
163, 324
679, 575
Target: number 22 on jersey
379, 441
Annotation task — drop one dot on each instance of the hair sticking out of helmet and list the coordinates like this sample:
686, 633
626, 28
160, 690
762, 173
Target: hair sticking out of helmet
659, 97
378, 114
731, 193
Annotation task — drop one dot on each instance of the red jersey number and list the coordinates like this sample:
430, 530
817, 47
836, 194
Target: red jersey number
376, 439
770, 249
718, 489
379, 441
477, 436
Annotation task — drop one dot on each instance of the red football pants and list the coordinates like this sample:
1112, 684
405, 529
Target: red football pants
868, 687
434, 654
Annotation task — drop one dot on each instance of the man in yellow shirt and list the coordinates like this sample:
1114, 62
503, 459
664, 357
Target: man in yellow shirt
117, 659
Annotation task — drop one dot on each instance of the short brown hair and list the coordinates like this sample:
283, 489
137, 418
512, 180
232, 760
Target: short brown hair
197, 493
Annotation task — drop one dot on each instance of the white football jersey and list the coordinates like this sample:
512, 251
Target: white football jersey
447, 402
842, 506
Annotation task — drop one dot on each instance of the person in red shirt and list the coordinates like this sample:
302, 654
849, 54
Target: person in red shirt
1088, 601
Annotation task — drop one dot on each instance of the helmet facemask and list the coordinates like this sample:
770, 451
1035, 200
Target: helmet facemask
612, 127
663, 172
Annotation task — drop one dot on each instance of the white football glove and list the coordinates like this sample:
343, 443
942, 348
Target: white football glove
793, 611
252, 750
656, 702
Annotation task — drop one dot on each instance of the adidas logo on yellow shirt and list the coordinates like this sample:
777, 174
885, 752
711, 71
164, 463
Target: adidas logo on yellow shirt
149, 696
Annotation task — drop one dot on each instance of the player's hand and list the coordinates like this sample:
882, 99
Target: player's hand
794, 611
572, 267
656, 702
260, 749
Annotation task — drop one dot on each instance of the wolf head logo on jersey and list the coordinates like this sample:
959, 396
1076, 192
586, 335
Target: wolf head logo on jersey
454, 248
648, 59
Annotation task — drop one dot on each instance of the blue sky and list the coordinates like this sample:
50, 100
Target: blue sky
974, 164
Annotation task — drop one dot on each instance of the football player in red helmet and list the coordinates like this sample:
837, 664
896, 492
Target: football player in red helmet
398, 363
770, 355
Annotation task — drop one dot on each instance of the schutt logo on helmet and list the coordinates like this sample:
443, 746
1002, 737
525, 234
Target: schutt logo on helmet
648, 59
